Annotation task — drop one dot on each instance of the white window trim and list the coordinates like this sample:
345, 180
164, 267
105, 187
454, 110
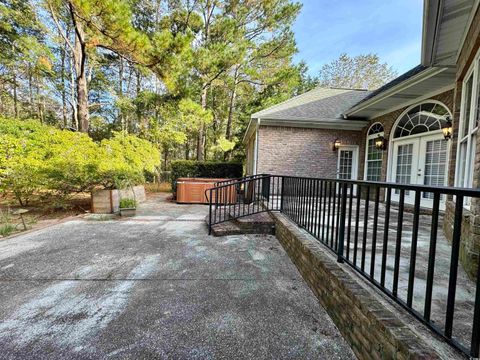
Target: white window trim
369, 137
467, 180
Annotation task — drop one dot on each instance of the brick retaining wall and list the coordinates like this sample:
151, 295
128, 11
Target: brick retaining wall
372, 330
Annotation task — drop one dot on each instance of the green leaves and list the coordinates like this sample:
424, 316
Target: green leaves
39, 160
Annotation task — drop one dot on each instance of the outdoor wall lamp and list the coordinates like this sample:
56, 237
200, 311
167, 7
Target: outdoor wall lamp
336, 145
381, 143
447, 129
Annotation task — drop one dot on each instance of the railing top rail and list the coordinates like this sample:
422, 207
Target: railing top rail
242, 181
248, 177
448, 190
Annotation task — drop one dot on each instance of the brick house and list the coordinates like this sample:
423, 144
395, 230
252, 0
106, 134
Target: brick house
397, 132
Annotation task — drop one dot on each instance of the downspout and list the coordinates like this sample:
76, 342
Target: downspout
255, 168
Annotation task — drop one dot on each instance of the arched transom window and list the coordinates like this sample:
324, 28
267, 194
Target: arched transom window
425, 117
373, 166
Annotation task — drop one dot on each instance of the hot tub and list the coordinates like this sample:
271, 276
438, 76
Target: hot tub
192, 191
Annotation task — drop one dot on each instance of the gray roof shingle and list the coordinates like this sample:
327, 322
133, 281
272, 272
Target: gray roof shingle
317, 104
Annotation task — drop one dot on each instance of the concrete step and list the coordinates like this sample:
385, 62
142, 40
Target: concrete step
261, 223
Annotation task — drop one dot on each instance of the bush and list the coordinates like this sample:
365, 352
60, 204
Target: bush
207, 169
41, 160
127, 159
128, 204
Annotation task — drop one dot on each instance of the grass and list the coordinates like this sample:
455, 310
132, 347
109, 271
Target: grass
7, 229
6, 225
159, 187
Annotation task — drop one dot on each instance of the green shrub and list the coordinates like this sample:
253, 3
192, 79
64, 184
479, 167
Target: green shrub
207, 169
126, 160
40, 160
128, 204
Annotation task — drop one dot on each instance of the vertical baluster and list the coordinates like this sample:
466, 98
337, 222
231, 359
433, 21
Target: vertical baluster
210, 213
357, 224
338, 213
317, 208
398, 246
385, 235
327, 237
413, 249
317, 218
365, 227
310, 206
324, 209
431, 256
452, 281
341, 224
298, 202
475, 342
349, 227
374, 234
334, 205
216, 204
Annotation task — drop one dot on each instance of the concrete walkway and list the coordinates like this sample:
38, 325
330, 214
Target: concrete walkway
156, 286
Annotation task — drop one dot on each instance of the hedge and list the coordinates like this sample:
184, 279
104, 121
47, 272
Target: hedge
204, 169
38, 160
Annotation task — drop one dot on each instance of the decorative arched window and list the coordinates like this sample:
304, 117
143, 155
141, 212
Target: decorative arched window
422, 118
374, 156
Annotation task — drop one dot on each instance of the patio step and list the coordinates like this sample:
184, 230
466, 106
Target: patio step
261, 223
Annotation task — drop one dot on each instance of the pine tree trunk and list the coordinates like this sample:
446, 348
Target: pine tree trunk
80, 57
64, 95
201, 131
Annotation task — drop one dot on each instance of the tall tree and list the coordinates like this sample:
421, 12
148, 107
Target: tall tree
358, 72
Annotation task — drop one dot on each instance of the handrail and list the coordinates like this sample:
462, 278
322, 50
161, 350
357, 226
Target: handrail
344, 215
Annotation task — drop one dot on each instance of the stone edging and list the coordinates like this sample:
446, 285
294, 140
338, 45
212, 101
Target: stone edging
372, 330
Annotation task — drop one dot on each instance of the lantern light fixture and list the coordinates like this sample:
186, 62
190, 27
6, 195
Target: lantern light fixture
336, 144
447, 129
381, 143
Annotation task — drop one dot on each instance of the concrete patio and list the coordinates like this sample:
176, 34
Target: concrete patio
156, 286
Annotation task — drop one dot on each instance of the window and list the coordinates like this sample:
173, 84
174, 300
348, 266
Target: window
422, 118
468, 127
373, 163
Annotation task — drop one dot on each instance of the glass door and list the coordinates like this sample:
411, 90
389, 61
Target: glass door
420, 161
405, 164
432, 167
347, 165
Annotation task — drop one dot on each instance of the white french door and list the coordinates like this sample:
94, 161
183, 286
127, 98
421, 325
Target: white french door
420, 160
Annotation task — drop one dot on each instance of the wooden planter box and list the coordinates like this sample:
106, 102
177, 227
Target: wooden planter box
108, 201
192, 191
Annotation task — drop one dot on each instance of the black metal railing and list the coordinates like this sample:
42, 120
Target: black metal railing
391, 234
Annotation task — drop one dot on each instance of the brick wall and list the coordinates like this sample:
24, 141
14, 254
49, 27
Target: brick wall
470, 239
373, 330
303, 152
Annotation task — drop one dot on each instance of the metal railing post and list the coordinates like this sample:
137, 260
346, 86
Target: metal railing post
282, 193
210, 214
341, 230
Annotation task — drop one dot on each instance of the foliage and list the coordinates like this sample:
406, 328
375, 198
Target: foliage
126, 159
128, 204
358, 72
204, 169
37, 159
